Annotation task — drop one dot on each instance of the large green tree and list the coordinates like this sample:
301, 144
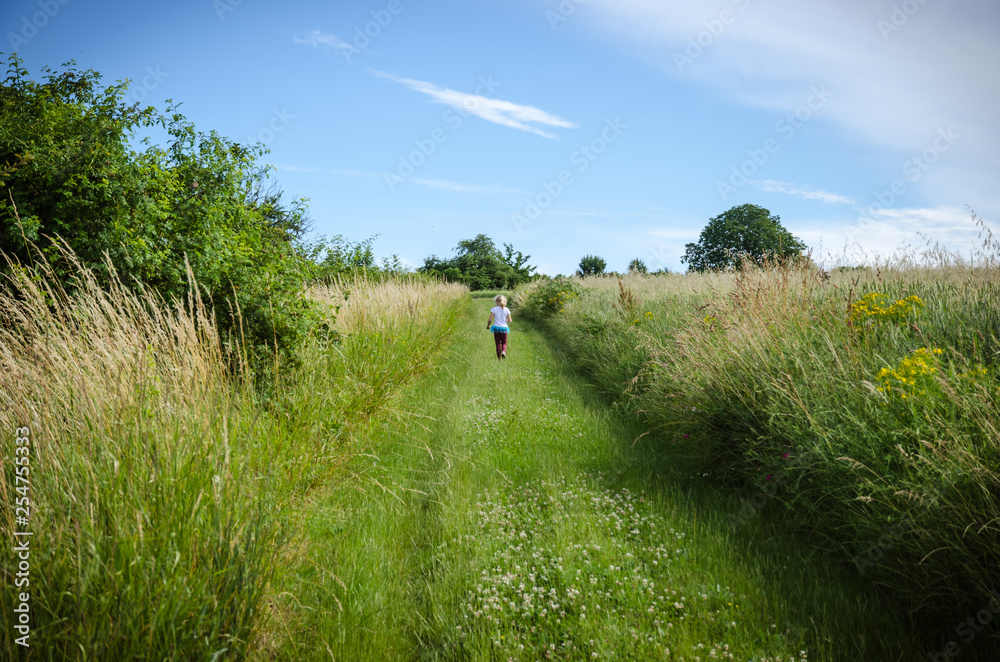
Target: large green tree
744, 233
591, 265
637, 266
481, 265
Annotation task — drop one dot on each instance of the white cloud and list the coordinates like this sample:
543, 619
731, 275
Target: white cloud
773, 186
500, 112
328, 41
892, 232
891, 88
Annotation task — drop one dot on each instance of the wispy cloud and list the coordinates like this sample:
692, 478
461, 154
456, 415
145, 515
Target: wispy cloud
328, 41
504, 113
889, 232
890, 89
773, 186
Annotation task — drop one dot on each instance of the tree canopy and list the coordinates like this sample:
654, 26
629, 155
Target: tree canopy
591, 265
481, 265
746, 232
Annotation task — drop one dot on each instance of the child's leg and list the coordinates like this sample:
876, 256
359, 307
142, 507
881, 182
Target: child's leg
500, 340
503, 346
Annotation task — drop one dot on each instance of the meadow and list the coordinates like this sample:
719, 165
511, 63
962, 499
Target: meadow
165, 488
777, 463
856, 408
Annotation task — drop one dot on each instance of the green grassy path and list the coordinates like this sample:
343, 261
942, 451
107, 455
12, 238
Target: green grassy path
515, 516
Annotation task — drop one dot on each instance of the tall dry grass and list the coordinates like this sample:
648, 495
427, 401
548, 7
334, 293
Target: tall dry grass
163, 489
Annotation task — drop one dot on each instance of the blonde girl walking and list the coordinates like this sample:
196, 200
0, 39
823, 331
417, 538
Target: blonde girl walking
499, 324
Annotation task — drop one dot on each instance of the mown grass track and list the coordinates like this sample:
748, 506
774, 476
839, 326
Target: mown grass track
517, 516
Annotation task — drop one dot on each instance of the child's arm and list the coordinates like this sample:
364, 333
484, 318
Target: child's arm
490, 323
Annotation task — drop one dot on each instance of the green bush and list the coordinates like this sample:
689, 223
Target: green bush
545, 297
72, 168
591, 265
479, 264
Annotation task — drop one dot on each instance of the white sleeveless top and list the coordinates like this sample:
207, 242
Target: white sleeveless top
500, 315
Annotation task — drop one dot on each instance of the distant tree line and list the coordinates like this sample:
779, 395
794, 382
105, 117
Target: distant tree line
744, 235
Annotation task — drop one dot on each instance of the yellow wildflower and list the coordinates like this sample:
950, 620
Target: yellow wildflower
875, 308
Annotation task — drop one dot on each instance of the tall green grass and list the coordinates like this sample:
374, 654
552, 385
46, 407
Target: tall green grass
776, 380
165, 489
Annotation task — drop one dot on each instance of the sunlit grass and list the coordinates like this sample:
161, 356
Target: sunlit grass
164, 490
525, 513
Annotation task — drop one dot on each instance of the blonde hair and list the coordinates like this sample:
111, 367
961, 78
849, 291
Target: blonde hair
500, 300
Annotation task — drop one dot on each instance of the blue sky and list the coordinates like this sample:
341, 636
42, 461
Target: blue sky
608, 127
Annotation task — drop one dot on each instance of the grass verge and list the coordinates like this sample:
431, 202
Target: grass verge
162, 490
860, 405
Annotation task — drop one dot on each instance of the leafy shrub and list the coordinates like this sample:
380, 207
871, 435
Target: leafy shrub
546, 297
198, 203
479, 264
637, 266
